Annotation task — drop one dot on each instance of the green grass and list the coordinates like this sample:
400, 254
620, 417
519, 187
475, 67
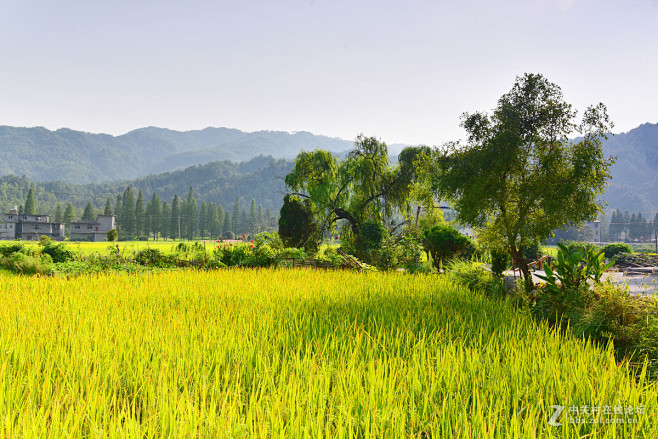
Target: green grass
126, 247
291, 354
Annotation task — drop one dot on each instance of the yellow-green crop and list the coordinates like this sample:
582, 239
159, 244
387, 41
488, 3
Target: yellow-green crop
291, 354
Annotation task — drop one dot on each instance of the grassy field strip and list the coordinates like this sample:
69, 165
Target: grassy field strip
292, 353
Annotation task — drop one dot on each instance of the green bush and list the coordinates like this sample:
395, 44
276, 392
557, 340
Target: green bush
30, 264
58, 252
261, 256
500, 260
152, 257
532, 251
231, 255
612, 250
9, 249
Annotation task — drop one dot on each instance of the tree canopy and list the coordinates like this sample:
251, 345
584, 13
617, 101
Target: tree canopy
362, 187
518, 174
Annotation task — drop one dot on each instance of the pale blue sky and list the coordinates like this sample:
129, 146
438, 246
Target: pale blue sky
401, 70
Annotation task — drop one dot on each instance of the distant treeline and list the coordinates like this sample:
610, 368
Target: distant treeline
181, 218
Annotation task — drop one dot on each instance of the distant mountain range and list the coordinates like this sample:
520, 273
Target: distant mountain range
79, 157
222, 163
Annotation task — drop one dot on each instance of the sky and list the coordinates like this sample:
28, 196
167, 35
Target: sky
403, 71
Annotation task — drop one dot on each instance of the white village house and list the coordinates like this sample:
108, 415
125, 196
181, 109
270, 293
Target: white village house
29, 227
96, 231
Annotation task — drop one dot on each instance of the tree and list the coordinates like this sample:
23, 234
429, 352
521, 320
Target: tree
297, 226
128, 212
228, 225
30, 207
219, 226
362, 187
235, 223
118, 206
69, 215
189, 215
165, 221
442, 242
112, 235
518, 173
59, 213
203, 219
152, 220
175, 227
108, 208
253, 226
140, 215
89, 214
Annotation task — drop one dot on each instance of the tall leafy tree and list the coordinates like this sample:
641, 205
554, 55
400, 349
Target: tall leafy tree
140, 214
153, 212
108, 208
89, 214
519, 176
189, 215
260, 218
59, 213
228, 224
165, 221
362, 187
69, 215
235, 225
244, 221
175, 228
203, 219
118, 210
30, 207
253, 220
220, 220
128, 212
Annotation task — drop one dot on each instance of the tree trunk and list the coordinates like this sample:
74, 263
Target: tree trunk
343, 214
517, 256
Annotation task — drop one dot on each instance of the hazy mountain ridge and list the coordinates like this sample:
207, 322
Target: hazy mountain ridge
79, 157
635, 174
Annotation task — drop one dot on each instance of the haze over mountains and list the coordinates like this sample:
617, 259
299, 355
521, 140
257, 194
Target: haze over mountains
155, 159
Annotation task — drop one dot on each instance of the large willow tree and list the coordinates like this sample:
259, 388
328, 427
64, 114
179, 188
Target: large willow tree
363, 187
519, 177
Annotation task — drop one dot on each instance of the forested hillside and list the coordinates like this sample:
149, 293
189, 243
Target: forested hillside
635, 174
77, 157
217, 182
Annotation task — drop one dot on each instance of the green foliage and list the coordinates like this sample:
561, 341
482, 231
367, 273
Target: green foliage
442, 242
372, 235
29, 264
363, 187
58, 252
112, 235
519, 174
9, 249
154, 258
297, 226
499, 261
612, 250
532, 250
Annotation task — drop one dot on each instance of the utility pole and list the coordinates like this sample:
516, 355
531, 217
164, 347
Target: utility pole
655, 234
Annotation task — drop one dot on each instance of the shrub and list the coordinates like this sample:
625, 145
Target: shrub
261, 256
231, 255
9, 249
500, 260
612, 250
58, 252
532, 251
30, 264
443, 242
153, 257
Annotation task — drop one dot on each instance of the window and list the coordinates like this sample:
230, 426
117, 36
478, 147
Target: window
77, 227
89, 227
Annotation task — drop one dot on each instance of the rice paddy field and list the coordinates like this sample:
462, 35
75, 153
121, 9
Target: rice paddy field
298, 353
